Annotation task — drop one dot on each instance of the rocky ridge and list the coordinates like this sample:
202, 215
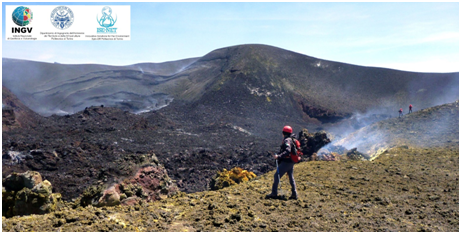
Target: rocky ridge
406, 189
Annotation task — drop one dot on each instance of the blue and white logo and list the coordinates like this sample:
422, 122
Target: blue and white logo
62, 17
106, 21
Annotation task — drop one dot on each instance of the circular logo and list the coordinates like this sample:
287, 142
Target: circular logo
62, 17
22, 16
106, 19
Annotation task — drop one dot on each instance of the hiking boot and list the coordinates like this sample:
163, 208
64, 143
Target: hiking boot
293, 197
271, 196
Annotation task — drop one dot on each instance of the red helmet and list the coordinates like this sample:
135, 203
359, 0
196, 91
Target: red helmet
287, 129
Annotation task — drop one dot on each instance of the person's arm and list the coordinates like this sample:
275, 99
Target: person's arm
285, 150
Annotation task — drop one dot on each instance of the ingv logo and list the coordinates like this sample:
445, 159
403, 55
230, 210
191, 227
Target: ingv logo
22, 16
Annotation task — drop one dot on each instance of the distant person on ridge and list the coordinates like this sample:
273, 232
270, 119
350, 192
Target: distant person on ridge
285, 164
400, 112
410, 109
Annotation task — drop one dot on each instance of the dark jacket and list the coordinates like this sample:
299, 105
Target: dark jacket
284, 154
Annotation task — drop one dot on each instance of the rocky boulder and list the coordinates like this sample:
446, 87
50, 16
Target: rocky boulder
91, 196
150, 183
110, 197
154, 182
327, 156
339, 153
354, 154
18, 181
312, 142
26, 194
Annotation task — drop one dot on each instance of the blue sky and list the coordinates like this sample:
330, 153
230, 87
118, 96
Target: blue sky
421, 37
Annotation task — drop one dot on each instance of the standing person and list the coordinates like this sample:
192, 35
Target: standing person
410, 109
400, 112
285, 164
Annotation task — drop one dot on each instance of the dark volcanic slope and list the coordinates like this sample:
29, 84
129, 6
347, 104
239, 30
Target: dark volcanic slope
240, 82
274, 74
100, 144
260, 87
15, 114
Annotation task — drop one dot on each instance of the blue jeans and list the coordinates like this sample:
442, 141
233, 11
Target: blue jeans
285, 167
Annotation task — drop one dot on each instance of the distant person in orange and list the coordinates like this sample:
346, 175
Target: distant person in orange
400, 112
410, 109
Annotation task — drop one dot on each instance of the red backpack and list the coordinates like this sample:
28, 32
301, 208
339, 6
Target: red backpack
296, 152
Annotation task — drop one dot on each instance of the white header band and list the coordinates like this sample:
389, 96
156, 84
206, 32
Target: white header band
67, 23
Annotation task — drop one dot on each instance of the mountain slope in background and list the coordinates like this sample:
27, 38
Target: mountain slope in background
15, 114
238, 83
62, 89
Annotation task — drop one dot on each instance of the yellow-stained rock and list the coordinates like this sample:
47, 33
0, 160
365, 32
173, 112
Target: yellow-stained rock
227, 178
36, 200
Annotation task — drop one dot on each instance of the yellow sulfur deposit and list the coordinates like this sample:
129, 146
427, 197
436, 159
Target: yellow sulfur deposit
227, 178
